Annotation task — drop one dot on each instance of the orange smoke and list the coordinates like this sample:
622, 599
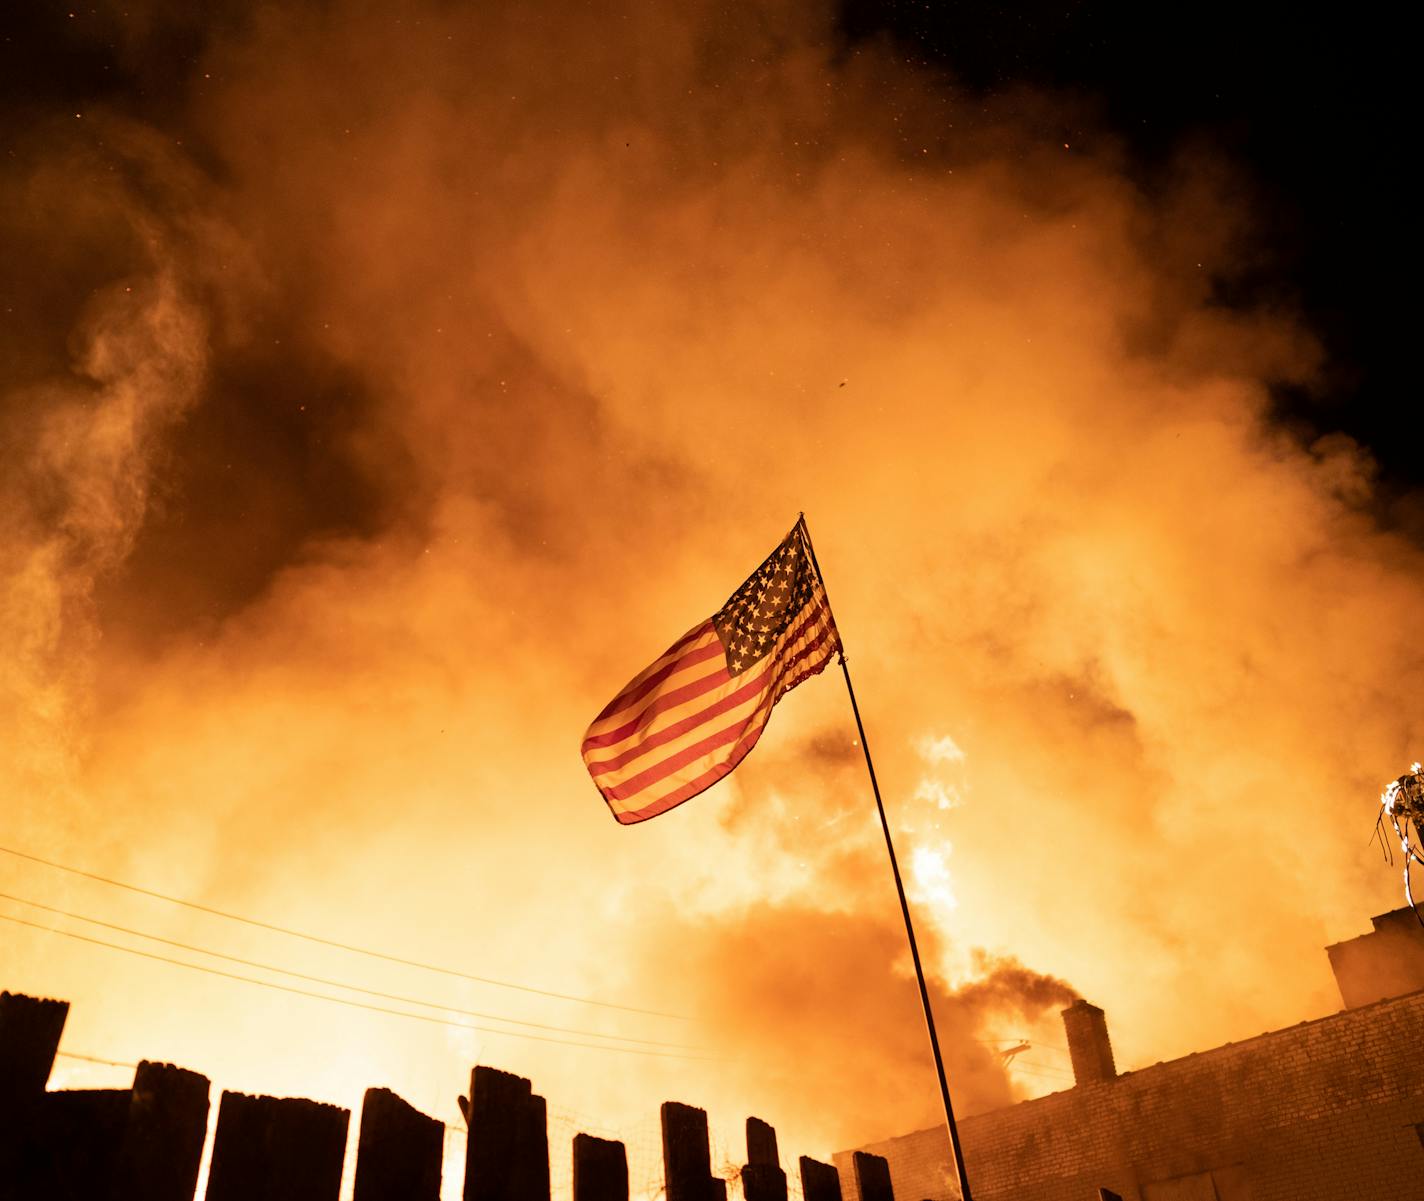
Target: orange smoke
425, 374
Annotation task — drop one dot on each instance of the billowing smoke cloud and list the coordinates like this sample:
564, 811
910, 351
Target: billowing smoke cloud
444, 367
817, 1010
83, 443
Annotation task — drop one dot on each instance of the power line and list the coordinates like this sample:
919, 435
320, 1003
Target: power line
328, 942
1033, 1042
1044, 1076
113, 1063
1048, 1067
1043, 1069
302, 992
1055, 1077
370, 992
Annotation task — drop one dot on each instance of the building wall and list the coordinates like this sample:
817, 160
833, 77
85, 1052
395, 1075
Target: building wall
1329, 1110
919, 1167
1386, 962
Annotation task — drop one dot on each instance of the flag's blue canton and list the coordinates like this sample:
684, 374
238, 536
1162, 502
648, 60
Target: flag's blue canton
758, 612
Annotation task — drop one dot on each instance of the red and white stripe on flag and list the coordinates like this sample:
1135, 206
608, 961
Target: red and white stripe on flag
692, 715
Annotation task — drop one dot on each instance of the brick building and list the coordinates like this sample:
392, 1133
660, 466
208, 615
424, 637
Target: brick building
1329, 1110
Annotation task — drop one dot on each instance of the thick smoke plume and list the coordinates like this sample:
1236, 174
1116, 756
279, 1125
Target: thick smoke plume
387, 388
84, 441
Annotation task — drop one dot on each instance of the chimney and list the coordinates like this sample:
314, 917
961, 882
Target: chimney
1387, 962
1087, 1029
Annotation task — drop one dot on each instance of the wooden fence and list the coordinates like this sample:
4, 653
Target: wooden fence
146, 1143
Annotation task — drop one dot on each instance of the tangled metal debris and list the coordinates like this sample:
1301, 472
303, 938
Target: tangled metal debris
1403, 803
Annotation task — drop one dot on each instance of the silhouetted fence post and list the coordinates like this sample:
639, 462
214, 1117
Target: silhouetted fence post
146, 1143
30, 1030
163, 1137
600, 1169
819, 1181
872, 1177
74, 1144
398, 1156
687, 1162
762, 1177
277, 1148
507, 1156
530, 1179
761, 1143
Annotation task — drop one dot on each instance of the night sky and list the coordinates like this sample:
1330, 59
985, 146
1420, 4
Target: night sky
1307, 104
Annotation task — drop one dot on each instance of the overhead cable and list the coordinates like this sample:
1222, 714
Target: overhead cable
370, 992
330, 942
302, 992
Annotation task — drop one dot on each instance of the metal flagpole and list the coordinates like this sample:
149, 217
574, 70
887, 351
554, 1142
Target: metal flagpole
900, 889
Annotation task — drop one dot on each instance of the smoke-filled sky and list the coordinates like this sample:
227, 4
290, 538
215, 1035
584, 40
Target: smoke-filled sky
382, 385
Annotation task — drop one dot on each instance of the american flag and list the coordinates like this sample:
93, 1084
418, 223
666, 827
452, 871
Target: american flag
691, 716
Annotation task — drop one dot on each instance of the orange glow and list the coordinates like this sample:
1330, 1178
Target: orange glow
453, 365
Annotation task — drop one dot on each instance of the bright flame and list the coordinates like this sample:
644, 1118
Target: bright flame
929, 868
939, 749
